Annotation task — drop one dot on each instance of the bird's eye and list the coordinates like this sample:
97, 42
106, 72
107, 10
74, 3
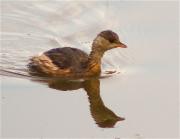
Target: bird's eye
111, 40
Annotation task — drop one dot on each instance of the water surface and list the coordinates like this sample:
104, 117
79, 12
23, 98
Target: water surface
139, 100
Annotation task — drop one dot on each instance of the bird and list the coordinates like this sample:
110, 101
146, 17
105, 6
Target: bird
68, 62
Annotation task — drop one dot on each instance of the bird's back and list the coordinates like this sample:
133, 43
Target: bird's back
68, 58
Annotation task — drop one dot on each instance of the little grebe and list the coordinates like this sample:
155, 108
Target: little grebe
73, 62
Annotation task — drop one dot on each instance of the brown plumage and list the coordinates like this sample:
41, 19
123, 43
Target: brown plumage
73, 62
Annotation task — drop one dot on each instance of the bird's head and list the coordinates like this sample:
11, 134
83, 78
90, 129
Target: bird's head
107, 40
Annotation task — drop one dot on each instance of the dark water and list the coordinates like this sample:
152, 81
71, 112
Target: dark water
139, 100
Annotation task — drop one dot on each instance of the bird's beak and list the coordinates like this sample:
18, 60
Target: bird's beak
121, 45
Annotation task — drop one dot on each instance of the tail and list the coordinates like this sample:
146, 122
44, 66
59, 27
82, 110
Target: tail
41, 65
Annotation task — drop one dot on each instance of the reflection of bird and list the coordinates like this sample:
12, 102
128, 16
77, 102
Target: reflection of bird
103, 116
72, 62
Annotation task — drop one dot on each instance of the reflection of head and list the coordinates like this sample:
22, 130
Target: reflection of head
109, 123
103, 116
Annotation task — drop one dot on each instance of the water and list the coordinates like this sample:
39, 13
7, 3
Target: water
143, 92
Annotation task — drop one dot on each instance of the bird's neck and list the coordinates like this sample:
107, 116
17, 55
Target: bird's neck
94, 61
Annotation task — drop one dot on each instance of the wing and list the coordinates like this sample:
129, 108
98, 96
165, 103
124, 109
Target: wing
68, 57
